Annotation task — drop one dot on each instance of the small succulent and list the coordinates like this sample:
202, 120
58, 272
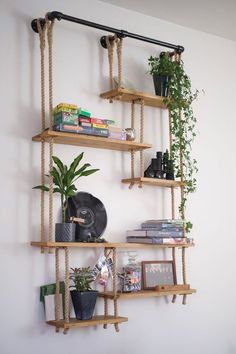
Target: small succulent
82, 278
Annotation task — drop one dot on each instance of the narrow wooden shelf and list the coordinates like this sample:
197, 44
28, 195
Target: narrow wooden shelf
153, 182
126, 95
90, 141
96, 320
145, 293
105, 245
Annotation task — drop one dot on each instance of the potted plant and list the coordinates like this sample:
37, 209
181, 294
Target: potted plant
83, 297
63, 180
183, 121
160, 68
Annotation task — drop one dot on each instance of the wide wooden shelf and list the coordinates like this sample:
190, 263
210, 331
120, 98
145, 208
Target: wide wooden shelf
105, 245
126, 95
90, 141
145, 293
96, 320
153, 182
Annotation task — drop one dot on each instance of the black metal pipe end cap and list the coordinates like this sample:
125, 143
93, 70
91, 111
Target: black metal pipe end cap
34, 24
103, 42
180, 49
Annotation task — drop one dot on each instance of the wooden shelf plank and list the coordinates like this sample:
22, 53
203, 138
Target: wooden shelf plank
153, 182
146, 293
90, 141
96, 320
131, 95
105, 245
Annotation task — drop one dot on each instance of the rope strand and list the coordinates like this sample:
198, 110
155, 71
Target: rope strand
141, 141
41, 31
67, 290
57, 295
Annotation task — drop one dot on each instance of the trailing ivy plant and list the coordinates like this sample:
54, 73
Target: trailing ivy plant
183, 121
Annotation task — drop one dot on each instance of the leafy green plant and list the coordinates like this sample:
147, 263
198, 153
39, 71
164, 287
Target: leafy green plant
183, 121
64, 179
82, 278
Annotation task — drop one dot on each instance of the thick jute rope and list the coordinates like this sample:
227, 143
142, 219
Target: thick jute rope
141, 141
172, 188
172, 195
105, 290
49, 25
174, 261
132, 152
114, 284
178, 58
110, 51
119, 42
57, 295
184, 274
41, 31
67, 288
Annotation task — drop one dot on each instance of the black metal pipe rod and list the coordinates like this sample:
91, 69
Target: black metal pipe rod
120, 33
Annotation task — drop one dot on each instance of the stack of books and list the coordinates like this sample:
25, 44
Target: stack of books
72, 119
94, 126
166, 231
65, 117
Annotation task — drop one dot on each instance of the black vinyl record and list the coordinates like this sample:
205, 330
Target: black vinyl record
91, 209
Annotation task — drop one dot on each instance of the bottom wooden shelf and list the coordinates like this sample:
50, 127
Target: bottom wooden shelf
96, 320
146, 293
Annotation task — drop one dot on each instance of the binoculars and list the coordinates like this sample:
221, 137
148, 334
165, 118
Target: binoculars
161, 167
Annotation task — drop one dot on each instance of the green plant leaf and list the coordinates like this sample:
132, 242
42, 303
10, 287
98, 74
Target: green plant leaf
75, 163
89, 172
43, 188
59, 164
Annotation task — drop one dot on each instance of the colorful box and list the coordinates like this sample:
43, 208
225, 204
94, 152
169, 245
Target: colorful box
65, 117
84, 112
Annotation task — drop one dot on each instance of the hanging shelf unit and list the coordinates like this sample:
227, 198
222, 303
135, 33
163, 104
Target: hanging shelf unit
51, 137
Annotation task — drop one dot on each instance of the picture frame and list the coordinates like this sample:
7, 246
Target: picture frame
156, 273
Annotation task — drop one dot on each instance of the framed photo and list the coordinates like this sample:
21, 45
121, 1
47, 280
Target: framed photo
158, 273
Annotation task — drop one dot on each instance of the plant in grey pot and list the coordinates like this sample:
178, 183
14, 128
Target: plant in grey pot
83, 297
63, 180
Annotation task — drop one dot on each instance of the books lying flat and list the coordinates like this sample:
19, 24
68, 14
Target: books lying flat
156, 233
160, 240
162, 224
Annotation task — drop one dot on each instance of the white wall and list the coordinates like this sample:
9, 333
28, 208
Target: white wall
207, 323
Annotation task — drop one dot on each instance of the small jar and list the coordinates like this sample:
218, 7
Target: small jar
130, 134
132, 274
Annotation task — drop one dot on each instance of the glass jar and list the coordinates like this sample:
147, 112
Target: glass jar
131, 274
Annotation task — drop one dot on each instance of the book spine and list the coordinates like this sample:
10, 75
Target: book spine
100, 126
136, 233
154, 233
84, 120
85, 124
169, 240
159, 226
131, 239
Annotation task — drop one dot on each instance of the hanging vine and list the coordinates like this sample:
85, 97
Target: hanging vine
183, 122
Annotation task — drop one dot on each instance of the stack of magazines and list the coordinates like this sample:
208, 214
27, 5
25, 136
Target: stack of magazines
166, 231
